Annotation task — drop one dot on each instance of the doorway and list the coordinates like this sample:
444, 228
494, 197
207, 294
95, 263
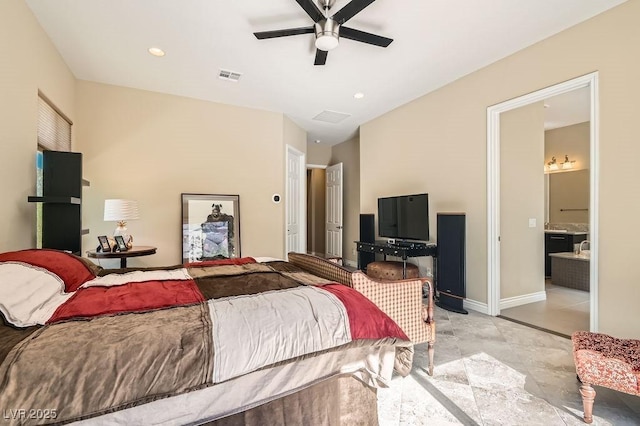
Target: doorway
494, 226
325, 210
316, 211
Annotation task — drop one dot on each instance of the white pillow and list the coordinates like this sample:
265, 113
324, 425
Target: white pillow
29, 295
264, 259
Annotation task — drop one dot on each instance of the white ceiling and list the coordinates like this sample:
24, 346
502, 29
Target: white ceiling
568, 108
435, 42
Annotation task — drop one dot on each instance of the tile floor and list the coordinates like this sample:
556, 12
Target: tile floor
491, 371
566, 310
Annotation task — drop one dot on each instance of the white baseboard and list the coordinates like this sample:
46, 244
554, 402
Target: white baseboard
474, 305
512, 302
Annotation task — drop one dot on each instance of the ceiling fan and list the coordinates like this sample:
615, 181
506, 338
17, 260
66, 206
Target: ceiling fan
328, 29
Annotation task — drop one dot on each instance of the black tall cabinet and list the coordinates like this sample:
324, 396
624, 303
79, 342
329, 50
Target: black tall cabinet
451, 244
61, 201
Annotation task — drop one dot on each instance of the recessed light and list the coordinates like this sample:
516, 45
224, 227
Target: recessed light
359, 95
156, 51
547, 105
317, 141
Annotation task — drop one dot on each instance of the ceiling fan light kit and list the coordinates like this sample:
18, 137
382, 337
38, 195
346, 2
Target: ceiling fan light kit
328, 29
327, 34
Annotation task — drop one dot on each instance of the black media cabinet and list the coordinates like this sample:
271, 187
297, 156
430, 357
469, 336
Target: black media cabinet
403, 251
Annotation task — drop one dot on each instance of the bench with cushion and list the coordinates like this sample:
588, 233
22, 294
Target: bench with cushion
392, 270
400, 299
606, 361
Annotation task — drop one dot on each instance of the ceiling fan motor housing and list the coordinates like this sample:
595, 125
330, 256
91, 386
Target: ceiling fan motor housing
327, 34
326, 4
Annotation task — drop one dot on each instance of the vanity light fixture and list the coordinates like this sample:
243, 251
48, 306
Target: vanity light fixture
567, 164
552, 165
156, 51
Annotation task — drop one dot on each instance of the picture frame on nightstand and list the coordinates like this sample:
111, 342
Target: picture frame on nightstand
122, 245
104, 244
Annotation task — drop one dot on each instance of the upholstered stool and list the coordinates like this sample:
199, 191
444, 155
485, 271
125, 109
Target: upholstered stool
606, 361
391, 271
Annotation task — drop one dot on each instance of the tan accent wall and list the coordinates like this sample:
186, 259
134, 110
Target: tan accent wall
28, 62
152, 147
318, 154
439, 146
569, 190
348, 153
316, 199
522, 199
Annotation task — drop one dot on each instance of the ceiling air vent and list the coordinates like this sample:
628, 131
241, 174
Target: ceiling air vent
229, 75
331, 117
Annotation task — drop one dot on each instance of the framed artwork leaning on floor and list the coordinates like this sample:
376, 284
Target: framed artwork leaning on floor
210, 227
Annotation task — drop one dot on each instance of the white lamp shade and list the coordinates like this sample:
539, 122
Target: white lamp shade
120, 210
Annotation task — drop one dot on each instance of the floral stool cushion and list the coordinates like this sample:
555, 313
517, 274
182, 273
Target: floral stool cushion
606, 361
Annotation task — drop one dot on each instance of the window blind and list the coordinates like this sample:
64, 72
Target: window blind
54, 129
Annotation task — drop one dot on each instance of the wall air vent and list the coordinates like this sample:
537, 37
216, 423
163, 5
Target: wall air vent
229, 75
331, 117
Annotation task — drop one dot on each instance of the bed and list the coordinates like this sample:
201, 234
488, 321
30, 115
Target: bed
249, 341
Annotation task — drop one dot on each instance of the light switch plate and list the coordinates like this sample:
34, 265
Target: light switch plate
532, 222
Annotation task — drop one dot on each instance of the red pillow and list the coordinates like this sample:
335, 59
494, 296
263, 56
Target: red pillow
71, 270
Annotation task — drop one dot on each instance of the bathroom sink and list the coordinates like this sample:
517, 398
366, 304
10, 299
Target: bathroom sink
584, 254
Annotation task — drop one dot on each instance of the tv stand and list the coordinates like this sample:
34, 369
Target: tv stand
402, 251
408, 244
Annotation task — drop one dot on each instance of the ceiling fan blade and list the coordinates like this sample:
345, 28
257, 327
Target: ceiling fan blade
364, 37
283, 33
350, 10
321, 57
312, 10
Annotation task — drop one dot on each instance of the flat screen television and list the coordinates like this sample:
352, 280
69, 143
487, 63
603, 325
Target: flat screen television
404, 217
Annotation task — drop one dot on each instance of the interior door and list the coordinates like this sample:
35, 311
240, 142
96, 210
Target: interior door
295, 201
334, 210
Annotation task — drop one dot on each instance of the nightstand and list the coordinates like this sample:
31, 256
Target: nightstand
135, 251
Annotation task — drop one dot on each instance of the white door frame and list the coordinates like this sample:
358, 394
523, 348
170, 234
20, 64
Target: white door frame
302, 199
493, 186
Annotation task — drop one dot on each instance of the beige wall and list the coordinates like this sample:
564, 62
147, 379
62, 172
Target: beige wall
293, 136
318, 154
28, 63
152, 147
437, 144
348, 153
569, 190
521, 199
570, 140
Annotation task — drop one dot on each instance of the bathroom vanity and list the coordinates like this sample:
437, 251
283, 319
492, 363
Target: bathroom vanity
559, 241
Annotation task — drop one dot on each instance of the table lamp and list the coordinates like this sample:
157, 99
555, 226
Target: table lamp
121, 211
